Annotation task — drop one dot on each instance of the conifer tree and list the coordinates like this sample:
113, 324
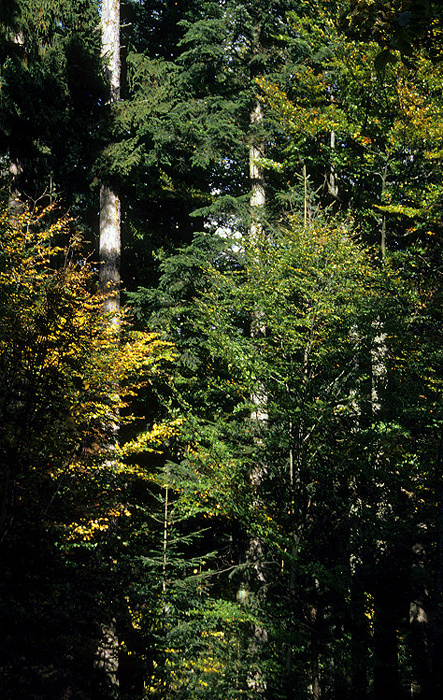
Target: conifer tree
51, 89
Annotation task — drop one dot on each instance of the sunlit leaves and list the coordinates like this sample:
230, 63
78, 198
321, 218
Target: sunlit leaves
375, 139
66, 371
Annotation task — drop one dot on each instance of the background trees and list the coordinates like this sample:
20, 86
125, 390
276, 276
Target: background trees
51, 57
126, 572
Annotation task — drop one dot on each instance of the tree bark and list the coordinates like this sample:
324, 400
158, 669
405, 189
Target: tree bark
254, 579
256, 175
110, 248
110, 208
111, 46
15, 203
107, 661
109, 257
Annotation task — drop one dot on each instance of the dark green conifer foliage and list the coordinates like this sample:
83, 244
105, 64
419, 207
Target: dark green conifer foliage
182, 131
349, 507
50, 98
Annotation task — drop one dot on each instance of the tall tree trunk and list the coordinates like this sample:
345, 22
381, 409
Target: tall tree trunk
254, 554
107, 663
15, 202
257, 205
256, 174
110, 209
332, 179
379, 353
109, 256
110, 248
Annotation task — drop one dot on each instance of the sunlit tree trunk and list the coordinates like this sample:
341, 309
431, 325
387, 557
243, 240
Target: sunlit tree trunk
257, 206
254, 553
15, 198
110, 248
110, 209
332, 180
256, 174
379, 353
109, 256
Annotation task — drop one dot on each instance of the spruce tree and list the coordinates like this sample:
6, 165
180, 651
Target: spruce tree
51, 89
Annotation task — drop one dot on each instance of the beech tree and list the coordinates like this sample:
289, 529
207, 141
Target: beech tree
57, 356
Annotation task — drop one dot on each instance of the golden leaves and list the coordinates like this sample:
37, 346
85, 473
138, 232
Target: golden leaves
298, 118
70, 370
152, 440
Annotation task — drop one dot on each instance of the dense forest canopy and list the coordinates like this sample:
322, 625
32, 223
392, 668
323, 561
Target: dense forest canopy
221, 461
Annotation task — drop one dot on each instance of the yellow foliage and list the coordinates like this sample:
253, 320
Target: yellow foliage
151, 440
67, 370
88, 529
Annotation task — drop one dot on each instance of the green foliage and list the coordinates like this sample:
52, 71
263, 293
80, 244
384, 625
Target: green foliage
398, 26
49, 99
304, 365
268, 522
369, 141
340, 474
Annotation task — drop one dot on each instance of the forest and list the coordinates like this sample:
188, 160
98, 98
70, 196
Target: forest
221, 358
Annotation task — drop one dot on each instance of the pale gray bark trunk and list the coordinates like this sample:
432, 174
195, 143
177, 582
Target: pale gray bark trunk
110, 19
110, 209
379, 353
255, 554
256, 175
15, 203
109, 256
257, 205
110, 248
332, 181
